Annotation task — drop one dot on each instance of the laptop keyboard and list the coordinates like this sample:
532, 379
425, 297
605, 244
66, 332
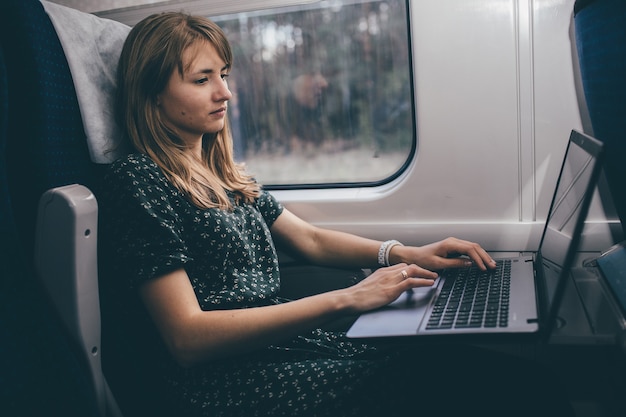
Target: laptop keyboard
471, 298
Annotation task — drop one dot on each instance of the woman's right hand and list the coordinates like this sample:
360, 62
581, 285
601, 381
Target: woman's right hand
386, 284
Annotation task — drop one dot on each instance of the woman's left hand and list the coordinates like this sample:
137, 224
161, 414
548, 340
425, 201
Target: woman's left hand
447, 253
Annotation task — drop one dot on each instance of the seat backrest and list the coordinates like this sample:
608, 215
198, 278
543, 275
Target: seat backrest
46, 149
42, 373
601, 47
45, 136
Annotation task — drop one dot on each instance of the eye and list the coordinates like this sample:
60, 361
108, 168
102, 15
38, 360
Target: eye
202, 80
225, 76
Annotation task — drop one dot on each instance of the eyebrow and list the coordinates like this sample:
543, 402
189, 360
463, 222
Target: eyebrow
211, 71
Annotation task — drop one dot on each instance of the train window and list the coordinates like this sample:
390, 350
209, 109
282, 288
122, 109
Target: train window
322, 93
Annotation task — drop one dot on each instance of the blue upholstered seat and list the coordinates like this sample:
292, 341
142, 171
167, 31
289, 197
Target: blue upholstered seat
41, 372
601, 44
45, 136
42, 145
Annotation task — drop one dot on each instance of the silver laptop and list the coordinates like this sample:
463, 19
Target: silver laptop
522, 296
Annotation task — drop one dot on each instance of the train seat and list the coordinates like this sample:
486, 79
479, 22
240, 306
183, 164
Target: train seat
601, 45
44, 148
42, 373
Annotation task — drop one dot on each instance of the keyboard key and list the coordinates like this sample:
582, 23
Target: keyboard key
471, 298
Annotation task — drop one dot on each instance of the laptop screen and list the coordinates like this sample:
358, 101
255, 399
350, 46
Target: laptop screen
575, 187
613, 267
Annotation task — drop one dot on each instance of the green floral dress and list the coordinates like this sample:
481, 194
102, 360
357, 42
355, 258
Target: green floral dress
232, 263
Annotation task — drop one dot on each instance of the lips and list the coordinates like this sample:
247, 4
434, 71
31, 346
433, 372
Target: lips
221, 110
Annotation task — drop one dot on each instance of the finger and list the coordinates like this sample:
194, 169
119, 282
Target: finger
460, 262
414, 271
482, 259
397, 269
397, 273
475, 252
418, 282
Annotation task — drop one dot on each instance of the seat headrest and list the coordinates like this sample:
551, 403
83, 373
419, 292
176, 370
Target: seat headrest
92, 46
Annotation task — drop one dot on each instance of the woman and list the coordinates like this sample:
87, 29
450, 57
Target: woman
190, 249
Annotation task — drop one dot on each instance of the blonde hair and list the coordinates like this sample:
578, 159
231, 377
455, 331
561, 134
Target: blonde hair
152, 52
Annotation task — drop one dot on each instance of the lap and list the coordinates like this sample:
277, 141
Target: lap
442, 380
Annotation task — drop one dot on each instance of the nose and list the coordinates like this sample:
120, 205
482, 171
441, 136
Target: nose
223, 93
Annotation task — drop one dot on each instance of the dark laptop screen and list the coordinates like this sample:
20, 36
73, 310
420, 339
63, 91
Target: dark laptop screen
613, 267
575, 187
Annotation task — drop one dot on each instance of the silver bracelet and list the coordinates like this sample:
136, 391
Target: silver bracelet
383, 252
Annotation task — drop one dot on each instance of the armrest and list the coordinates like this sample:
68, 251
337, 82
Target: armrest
66, 262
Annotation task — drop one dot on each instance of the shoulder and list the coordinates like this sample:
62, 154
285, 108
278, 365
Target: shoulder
266, 198
138, 175
133, 161
133, 166
269, 206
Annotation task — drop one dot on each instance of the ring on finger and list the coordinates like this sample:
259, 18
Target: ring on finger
404, 274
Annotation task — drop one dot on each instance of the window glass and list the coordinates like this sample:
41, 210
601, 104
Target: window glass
322, 93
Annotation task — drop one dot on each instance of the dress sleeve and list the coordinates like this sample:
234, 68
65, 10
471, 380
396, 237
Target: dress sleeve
269, 207
142, 226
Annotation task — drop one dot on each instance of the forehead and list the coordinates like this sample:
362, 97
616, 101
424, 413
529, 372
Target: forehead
201, 55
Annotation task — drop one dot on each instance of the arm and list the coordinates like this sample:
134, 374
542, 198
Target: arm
323, 246
333, 248
194, 336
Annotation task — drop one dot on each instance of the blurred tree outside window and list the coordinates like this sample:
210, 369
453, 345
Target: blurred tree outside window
322, 93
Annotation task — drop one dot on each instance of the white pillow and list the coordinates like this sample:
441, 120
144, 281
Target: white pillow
92, 46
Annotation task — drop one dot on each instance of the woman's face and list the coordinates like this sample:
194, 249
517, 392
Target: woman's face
195, 103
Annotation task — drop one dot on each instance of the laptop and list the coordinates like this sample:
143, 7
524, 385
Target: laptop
523, 298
